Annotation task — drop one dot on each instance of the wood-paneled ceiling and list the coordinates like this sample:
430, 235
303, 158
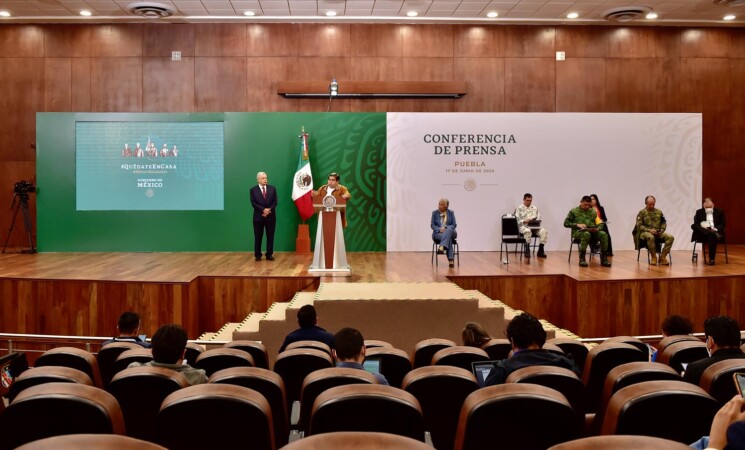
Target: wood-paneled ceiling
670, 12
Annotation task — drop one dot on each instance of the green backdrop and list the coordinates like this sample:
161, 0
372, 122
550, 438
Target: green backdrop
353, 144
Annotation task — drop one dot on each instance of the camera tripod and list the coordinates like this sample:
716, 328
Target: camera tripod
20, 201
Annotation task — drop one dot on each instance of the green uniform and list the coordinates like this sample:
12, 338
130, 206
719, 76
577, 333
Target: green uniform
652, 220
577, 215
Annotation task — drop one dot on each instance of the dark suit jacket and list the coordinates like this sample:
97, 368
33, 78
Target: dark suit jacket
700, 216
259, 202
436, 222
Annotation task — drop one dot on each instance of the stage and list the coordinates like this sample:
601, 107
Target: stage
83, 293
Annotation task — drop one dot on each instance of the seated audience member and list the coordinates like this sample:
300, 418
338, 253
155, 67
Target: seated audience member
349, 351
602, 218
722, 343
309, 329
584, 227
474, 335
708, 227
169, 346
650, 226
128, 330
674, 326
443, 229
527, 336
527, 212
727, 428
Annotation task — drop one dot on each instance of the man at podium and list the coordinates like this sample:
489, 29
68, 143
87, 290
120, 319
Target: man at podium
337, 190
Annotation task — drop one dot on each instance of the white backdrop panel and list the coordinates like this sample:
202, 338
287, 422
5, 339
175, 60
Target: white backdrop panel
557, 157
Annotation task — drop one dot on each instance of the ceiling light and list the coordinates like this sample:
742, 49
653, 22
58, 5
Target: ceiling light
729, 17
651, 15
85, 12
4, 14
572, 15
412, 13
331, 13
492, 14
249, 13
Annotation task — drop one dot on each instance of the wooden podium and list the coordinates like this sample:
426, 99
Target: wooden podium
330, 255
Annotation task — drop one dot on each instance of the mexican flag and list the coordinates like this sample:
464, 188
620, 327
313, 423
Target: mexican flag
302, 182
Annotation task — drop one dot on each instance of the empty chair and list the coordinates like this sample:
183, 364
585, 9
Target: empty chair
192, 352
127, 357
459, 356
318, 345
557, 378
637, 409
573, 349
46, 374
717, 379
497, 348
106, 358
257, 350
95, 441
636, 342
73, 358
621, 443
294, 365
426, 349
516, 416
140, 391
223, 358
268, 384
683, 352
322, 380
441, 391
231, 414
367, 407
394, 363
357, 440
54, 409
600, 360
373, 343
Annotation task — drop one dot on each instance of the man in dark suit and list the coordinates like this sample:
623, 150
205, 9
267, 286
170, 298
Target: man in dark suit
264, 202
722, 343
708, 227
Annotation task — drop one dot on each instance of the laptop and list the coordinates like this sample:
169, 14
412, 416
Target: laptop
372, 364
481, 370
534, 223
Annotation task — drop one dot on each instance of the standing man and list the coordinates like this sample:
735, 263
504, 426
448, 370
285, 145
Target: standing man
708, 227
650, 226
529, 219
264, 202
337, 190
582, 222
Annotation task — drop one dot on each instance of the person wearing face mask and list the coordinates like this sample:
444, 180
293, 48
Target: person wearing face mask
722, 343
708, 227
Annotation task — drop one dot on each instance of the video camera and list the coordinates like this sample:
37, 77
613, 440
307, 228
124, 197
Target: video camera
23, 187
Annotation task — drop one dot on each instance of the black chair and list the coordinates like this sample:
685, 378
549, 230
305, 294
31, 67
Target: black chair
704, 245
576, 241
456, 252
511, 235
641, 243
394, 363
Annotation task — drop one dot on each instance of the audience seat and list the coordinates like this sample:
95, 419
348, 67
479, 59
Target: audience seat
516, 416
664, 342
621, 443
46, 374
367, 407
106, 358
294, 365
140, 391
192, 352
373, 343
426, 349
441, 391
324, 379
573, 347
73, 358
394, 363
226, 415
93, 441
639, 409
717, 379
459, 356
497, 348
557, 378
309, 344
127, 357
682, 352
636, 342
257, 350
600, 360
223, 358
357, 440
268, 384
54, 409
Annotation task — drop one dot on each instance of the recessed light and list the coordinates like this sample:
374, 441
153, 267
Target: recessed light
651, 15
730, 17
492, 14
4, 14
249, 13
331, 13
572, 15
85, 12
412, 13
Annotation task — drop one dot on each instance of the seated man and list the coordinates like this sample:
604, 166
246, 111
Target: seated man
349, 351
527, 213
443, 229
722, 343
169, 347
582, 222
708, 227
650, 226
128, 330
527, 336
309, 329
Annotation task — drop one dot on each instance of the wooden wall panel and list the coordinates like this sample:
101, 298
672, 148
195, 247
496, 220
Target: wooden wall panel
220, 39
81, 84
485, 78
323, 40
377, 69
219, 84
21, 41
580, 85
643, 42
168, 86
57, 84
478, 41
630, 84
529, 42
428, 41
261, 81
162, 39
377, 40
275, 39
72, 41
529, 84
707, 43
116, 40
582, 42
116, 84
21, 97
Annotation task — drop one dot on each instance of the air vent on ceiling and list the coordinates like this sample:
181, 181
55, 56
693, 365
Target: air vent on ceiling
151, 10
626, 13
729, 2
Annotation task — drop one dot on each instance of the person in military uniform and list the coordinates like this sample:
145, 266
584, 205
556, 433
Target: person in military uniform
582, 222
526, 213
650, 227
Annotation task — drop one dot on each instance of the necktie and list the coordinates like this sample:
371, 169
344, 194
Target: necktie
263, 191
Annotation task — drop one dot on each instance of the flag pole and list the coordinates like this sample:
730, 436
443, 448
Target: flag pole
302, 242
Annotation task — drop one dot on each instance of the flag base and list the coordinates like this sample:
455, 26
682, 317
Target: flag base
302, 243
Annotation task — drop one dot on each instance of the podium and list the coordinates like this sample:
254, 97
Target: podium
330, 254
